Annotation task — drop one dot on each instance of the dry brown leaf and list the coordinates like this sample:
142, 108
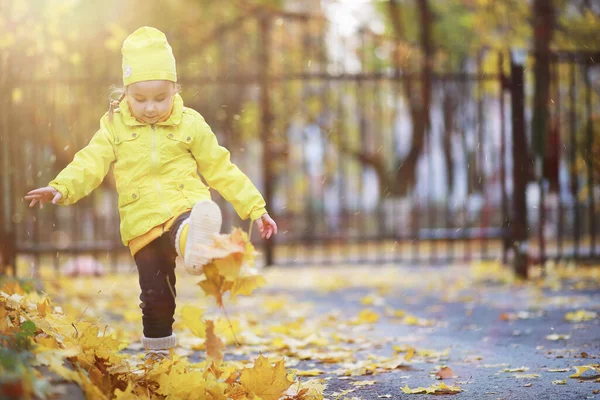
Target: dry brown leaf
214, 345
445, 373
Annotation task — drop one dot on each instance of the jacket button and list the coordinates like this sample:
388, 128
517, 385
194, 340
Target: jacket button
189, 138
133, 134
134, 196
181, 186
170, 135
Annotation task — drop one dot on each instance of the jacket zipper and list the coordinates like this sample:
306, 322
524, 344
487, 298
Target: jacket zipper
156, 172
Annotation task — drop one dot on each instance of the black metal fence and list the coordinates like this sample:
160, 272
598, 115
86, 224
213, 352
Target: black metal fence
354, 168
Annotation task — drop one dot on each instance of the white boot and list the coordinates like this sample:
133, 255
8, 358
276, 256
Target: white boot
203, 224
158, 349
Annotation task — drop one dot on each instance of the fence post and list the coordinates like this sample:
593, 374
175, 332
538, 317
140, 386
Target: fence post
8, 253
8, 243
519, 225
264, 61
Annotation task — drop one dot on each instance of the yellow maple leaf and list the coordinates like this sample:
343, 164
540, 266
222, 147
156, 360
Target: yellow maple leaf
43, 306
527, 376
310, 390
442, 388
310, 372
193, 318
229, 267
595, 368
580, 315
12, 287
214, 345
519, 369
265, 381
246, 285
366, 316
409, 354
127, 394
180, 383
364, 383
241, 238
555, 337
215, 284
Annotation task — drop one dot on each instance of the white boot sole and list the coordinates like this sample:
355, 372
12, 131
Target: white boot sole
204, 223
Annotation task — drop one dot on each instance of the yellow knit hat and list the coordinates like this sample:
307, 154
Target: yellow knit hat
147, 56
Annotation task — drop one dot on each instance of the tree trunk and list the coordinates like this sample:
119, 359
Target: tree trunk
543, 28
418, 105
448, 110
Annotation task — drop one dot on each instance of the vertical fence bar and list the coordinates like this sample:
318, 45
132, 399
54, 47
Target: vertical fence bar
558, 116
465, 234
574, 184
589, 161
53, 138
326, 256
519, 145
481, 181
430, 220
7, 226
34, 167
308, 220
266, 119
339, 132
505, 215
343, 140
359, 214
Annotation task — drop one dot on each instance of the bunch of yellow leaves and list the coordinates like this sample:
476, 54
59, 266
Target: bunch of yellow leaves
232, 267
82, 352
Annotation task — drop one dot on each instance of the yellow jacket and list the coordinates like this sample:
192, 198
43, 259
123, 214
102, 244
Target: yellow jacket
156, 169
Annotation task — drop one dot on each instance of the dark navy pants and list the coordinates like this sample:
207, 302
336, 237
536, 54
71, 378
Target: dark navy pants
156, 268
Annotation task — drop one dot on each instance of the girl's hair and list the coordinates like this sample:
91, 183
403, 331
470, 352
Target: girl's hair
117, 94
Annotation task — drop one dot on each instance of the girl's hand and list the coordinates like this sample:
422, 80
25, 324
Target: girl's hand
43, 195
266, 226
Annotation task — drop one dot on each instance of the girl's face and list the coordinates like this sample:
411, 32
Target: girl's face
150, 100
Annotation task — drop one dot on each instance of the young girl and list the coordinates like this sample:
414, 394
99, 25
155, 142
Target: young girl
158, 146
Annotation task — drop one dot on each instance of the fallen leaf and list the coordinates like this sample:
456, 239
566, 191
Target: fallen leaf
310, 390
366, 316
442, 388
555, 336
559, 382
445, 373
410, 354
310, 372
520, 369
582, 369
265, 381
580, 315
527, 376
363, 383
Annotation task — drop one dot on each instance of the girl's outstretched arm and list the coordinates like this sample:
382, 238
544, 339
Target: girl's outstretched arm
222, 175
88, 168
